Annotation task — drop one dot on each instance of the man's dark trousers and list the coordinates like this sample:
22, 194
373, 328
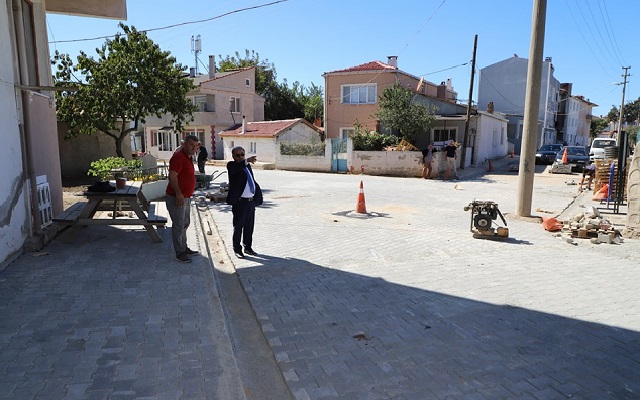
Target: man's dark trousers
244, 216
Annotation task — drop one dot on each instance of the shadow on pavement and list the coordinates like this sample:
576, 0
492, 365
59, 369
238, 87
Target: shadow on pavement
342, 334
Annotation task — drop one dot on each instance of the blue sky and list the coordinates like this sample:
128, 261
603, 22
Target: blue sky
589, 40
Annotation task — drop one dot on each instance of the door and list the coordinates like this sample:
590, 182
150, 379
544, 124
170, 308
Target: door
338, 155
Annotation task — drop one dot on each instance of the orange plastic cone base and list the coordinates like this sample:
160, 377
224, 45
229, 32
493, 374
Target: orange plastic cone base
564, 157
361, 207
602, 193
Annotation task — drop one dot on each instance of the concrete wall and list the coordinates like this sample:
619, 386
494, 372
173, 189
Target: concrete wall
491, 138
305, 163
77, 154
394, 163
14, 204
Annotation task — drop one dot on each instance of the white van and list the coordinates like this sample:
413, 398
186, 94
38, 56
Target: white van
597, 147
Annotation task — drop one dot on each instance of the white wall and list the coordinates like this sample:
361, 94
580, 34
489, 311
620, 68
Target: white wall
300, 133
14, 204
305, 163
265, 147
491, 138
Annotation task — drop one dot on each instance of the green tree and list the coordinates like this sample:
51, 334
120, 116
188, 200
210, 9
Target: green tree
631, 112
399, 110
265, 70
281, 101
130, 79
598, 125
312, 103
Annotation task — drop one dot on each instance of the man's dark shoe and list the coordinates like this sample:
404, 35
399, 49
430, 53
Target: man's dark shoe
239, 253
190, 252
183, 258
250, 251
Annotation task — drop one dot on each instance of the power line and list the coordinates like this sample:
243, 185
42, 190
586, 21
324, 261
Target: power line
179, 24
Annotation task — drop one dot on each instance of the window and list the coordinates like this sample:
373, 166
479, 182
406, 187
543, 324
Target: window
167, 140
200, 102
359, 94
199, 133
234, 104
247, 82
345, 132
443, 134
252, 147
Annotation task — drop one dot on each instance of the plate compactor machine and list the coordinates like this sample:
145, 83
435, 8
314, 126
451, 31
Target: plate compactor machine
483, 215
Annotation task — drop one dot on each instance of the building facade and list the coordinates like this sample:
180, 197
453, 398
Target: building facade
222, 100
31, 183
505, 84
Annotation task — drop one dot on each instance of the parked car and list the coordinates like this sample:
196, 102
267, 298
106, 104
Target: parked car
577, 156
597, 147
546, 154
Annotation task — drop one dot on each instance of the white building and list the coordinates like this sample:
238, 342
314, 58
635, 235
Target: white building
505, 84
31, 183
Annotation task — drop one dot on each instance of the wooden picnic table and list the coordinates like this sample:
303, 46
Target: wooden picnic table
128, 198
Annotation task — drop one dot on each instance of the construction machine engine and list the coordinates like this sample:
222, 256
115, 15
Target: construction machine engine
483, 215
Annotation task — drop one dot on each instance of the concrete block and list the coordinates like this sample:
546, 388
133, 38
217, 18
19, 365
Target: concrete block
604, 238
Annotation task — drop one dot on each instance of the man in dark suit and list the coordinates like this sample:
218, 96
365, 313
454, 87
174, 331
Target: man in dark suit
244, 195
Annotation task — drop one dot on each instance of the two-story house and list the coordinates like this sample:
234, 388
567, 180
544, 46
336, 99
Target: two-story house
222, 99
505, 84
574, 117
352, 94
31, 181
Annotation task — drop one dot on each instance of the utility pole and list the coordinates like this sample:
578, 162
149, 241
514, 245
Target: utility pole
531, 110
621, 118
465, 142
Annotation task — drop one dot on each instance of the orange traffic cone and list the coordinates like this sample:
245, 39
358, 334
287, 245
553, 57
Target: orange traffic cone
361, 208
490, 166
602, 194
564, 157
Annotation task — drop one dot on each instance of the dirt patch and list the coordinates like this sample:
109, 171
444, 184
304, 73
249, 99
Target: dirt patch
72, 190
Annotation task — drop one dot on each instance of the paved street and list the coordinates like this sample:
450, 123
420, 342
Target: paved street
407, 305
401, 305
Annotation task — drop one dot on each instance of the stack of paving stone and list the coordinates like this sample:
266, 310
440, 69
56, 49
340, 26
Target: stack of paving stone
591, 225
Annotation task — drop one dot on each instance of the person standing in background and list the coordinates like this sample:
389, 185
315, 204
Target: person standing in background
452, 155
182, 184
427, 160
202, 158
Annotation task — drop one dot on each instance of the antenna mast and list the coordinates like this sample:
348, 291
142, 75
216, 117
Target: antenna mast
196, 48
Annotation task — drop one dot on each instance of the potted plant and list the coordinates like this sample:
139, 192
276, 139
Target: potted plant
117, 167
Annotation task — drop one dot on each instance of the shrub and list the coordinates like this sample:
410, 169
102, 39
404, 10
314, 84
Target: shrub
371, 141
103, 168
301, 149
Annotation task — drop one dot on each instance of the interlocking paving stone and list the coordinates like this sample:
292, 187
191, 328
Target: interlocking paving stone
437, 311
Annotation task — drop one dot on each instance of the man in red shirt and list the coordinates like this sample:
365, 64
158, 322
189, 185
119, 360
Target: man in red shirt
182, 183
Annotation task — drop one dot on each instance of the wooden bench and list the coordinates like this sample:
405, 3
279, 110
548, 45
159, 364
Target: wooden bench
153, 215
71, 214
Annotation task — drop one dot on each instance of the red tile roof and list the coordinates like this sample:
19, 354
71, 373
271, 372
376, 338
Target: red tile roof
266, 129
369, 66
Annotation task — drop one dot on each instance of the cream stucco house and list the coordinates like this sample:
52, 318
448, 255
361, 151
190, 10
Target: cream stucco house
222, 99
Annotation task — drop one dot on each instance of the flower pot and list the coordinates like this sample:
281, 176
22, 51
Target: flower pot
121, 182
